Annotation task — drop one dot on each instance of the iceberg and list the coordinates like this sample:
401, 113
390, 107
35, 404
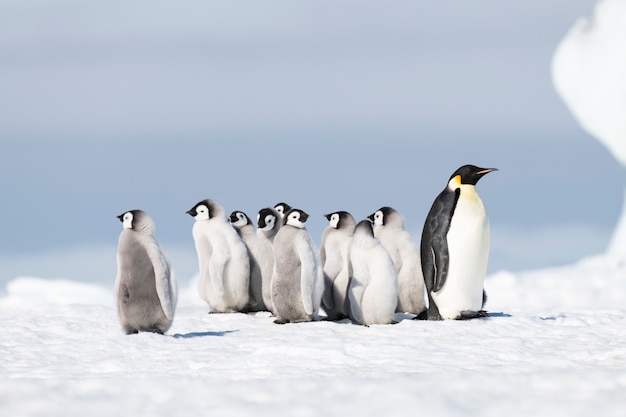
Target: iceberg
589, 74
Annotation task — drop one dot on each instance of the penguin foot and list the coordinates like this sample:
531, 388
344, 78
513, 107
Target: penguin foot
468, 315
421, 316
281, 321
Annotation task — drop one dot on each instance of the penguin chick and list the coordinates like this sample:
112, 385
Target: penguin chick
242, 224
268, 224
335, 263
373, 290
397, 241
222, 257
455, 248
298, 281
282, 208
145, 286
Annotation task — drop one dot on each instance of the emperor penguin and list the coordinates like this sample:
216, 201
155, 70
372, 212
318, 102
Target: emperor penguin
243, 225
222, 257
268, 224
282, 208
397, 241
269, 221
335, 263
455, 248
373, 290
145, 286
298, 280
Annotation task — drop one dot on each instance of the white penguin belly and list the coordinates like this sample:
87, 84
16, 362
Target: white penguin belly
468, 249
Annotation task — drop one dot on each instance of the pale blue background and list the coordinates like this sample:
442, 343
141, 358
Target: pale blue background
107, 106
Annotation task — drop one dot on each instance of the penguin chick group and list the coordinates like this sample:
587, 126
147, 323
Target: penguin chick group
366, 272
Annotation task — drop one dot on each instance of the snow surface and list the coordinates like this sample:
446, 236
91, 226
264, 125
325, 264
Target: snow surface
588, 72
555, 344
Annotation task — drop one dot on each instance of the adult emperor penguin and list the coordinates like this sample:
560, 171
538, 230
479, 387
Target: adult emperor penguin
298, 280
406, 257
222, 258
455, 248
145, 286
373, 290
243, 225
268, 224
335, 263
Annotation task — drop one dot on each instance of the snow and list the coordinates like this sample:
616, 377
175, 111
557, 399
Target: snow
588, 71
555, 344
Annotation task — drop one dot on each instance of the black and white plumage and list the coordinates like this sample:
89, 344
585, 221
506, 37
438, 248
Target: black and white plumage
145, 286
298, 281
268, 224
455, 248
243, 225
222, 257
334, 249
282, 208
405, 254
373, 289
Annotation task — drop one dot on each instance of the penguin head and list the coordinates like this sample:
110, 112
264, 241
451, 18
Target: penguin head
282, 208
267, 219
468, 175
340, 219
206, 210
137, 220
296, 218
239, 219
364, 228
387, 216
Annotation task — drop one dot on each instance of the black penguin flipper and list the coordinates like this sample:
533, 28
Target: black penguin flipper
434, 245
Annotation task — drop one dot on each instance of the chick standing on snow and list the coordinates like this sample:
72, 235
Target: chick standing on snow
334, 257
222, 258
145, 286
373, 290
242, 224
390, 232
268, 224
298, 281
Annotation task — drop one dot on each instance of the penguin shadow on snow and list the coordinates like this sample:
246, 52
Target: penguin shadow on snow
193, 335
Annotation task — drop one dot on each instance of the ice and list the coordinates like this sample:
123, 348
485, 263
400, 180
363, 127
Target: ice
588, 71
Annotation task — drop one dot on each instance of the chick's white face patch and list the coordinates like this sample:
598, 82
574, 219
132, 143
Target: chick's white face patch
379, 218
127, 220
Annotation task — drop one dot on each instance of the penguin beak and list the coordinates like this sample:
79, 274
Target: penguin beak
486, 171
371, 217
327, 216
190, 212
121, 217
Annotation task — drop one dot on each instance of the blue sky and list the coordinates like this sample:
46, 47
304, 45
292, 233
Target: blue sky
328, 105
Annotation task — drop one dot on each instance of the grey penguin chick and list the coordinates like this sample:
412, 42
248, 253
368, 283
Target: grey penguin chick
243, 225
222, 257
298, 281
336, 264
282, 208
455, 248
373, 290
268, 224
405, 254
145, 286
